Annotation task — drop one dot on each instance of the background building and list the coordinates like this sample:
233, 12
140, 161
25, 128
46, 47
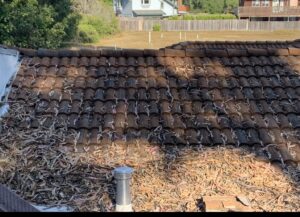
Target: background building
273, 10
150, 8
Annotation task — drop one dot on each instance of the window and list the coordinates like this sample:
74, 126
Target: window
161, 5
255, 3
265, 3
145, 2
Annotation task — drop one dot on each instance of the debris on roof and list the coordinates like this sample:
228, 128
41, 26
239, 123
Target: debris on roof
76, 114
198, 97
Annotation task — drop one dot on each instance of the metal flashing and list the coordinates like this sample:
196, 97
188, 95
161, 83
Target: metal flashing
9, 66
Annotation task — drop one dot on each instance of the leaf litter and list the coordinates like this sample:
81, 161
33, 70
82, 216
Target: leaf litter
41, 168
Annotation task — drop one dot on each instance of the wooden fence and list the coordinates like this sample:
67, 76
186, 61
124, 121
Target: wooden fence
130, 24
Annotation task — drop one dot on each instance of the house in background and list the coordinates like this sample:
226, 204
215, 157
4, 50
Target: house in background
183, 6
269, 10
150, 8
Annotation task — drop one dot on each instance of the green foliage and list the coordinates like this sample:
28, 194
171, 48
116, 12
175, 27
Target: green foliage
92, 28
204, 16
37, 23
87, 33
97, 21
216, 6
52, 23
108, 2
156, 28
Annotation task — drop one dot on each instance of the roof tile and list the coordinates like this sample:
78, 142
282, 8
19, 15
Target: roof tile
182, 96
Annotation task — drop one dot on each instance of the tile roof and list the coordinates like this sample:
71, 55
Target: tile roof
188, 96
236, 44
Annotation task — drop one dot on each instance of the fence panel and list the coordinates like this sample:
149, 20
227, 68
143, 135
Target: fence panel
134, 24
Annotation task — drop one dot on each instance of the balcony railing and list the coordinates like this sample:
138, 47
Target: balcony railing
268, 11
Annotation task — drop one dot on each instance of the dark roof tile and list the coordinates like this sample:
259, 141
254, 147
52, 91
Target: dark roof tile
265, 136
197, 93
174, 53
294, 51
273, 153
195, 52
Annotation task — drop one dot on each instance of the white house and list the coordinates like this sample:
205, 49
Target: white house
146, 8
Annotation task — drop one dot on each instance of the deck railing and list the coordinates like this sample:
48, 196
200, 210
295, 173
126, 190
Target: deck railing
268, 11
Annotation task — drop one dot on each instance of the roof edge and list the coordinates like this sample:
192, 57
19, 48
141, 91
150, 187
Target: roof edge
10, 52
164, 52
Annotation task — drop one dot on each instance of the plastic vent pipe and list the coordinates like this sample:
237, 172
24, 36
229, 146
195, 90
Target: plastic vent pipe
123, 197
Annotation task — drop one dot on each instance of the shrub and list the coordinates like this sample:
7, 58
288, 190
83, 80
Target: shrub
92, 28
87, 33
216, 6
97, 20
156, 28
36, 23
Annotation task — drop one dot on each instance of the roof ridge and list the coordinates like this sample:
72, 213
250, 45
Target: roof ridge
165, 52
169, 51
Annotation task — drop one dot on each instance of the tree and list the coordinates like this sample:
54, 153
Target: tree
216, 6
37, 23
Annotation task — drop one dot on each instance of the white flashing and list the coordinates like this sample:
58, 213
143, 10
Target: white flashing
124, 208
9, 66
45, 208
4, 109
9, 52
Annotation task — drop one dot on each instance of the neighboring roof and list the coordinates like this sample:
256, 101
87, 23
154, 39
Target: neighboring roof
148, 12
248, 96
